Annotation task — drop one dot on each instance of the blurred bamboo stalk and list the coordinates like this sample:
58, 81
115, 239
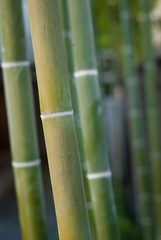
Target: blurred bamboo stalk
152, 109
86, 80
142, 164
58, 121
21, 120
64, 12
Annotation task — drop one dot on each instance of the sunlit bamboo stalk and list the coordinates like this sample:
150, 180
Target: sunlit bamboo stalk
86, 79
58, 121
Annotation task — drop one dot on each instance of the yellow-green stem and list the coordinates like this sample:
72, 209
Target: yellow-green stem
58, 121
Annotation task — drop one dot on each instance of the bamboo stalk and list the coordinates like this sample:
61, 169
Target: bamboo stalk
64, 12
152, 111
142, 165
86, 77
21, 120
58, 121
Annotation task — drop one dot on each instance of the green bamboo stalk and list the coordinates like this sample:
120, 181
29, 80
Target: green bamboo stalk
21, 120
142, 165
86, 77
152, 111
58, 121
64, 12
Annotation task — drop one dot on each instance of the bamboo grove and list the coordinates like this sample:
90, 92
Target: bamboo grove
142, 164
72, 116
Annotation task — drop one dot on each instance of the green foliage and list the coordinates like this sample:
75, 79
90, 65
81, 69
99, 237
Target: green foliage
107, 24
128, 230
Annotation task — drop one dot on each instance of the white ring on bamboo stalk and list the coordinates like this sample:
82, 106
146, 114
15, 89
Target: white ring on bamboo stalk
91, 176
26, 164
88, 72
56, 114
15, 64
125, 14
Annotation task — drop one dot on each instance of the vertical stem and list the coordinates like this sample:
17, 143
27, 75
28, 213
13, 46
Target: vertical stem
58, 121
69, 55
86, 77
152, 111
142, 164
21, 119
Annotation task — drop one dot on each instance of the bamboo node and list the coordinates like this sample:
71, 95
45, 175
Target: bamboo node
92, 176
56, 114
15, 64
33, 163
88, 72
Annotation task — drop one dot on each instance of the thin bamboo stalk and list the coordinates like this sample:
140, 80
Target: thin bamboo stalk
152, 111
142, 164
86, 77
21, 120
58, 121
64, 12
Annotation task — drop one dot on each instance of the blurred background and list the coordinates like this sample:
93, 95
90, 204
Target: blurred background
108, 37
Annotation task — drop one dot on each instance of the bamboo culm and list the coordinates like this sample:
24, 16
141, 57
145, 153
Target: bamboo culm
86, 80
69, 56
21, 120
58, 120
142, 165
152, 109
